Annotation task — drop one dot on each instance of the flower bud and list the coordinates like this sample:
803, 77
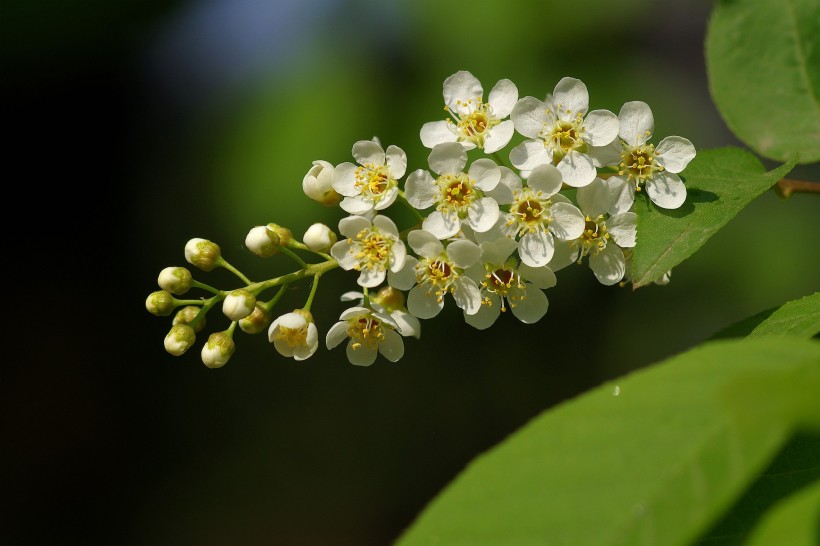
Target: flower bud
179, 339
318, 184
319, 238
202, 253
238, 304
390, 298
257, 321
188, 314
262, 241
285, 235
176, 280
218, 350
160, 303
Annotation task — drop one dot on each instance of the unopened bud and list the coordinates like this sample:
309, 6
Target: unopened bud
238, 304
218, 350
390, 298
257, 322
202, 253
285, 235
318, 184
160, 303
319, 238
262, 241
187, 314
176, 280
179, 339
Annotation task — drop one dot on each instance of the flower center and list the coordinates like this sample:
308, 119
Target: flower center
530, 212
373, 250
639, 163
438, 273
294, 337
474, 125
564, 137
594, 238
373, 180
457, 192
365, 331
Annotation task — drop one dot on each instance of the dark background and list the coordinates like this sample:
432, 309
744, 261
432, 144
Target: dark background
135, 126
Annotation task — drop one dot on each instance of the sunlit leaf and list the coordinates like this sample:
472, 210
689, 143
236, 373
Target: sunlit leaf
652, 458
720, 183
793, 521
800, 318
762, 62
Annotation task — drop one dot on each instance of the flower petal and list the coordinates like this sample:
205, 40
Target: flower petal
424, 243
404, 278
371, 278
623, 228
528, 155
570, 98
483, 214
420, 189
623, 194
606, 156
486, 315
565, 254
447, 158
350, 226
531, 306
356, 205
595, 198
398, 254
529, 116
467, 295
406, 324
536, 248
360, 355
541, 277
485, 173
674, 153
392, 346
666, 190
368, 152
497, 251
344, 179
396, 161
385, 224
344, 254
459, 88
502, 98
503, 191
463, 253
601, 127
437, 132
442, 224
577, 169
336, 334
637, 123
608, 265
546, 178
499, 136
567, 221
423, 303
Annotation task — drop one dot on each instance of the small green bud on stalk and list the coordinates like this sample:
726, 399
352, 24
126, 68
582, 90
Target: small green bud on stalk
160, 303
218, 349
202, 253
187, 314
319, 238
390, 298
257, 322
176, 280
285, 235
262, 241
179, 339
238, 304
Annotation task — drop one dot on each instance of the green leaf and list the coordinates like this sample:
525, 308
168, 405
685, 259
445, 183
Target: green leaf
798, 318
652, 458
793, 521
720, 183
762, 61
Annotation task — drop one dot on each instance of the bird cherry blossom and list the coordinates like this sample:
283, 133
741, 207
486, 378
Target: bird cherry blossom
373, 184
372, 248
370, 332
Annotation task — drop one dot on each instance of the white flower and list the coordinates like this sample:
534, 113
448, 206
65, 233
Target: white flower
318, 184
374, 183
294, 335
373, 248
439, 271
474, 123
605, 236
538, 213
457, 196
370, 332
319, 237
561, 132
643, 164
390, 300
507, 282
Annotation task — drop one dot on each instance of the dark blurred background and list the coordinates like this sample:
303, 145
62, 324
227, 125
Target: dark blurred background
134, 126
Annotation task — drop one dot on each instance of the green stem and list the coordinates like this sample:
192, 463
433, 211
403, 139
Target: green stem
292, 255
268, 305
302, 246
211, 289
313, 288
499, 160
310, 270
366, 300
788, 186
221, 262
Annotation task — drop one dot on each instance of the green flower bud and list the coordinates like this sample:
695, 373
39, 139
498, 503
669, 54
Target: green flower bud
285, 235
319, 238
176, 280
257, 321
238, 304
262, 241
179, 339
390, 298
218, 350
187, 314
202, 253
160, 303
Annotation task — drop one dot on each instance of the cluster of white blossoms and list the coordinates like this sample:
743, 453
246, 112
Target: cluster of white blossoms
490, 234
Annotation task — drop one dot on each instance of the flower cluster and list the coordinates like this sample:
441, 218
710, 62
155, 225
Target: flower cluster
490, 233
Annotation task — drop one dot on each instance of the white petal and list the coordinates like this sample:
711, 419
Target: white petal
567, 221
356, 205
463, 253
303, 352
354, 312
570, 98
595, 198
496, 252
342, 252
606, 156
336, 334
486, 315
608, 265
541, 277
292, 320
405, 278
674, 153
461, 87
532, 306
485, 173
483, 214
666, 190
623, 194
387, 199
398, 254
529, 116
447, 158
352, 296
386, 225
392, 346
564, 255
502, 98
362, 355
344, 179
371, 278
536, 248
467, 295
499, 136
420, 189
637, 123
442, 224
545, 178
601, 127
424, 243
406, 324
623, 228
577, 169
437, 132
350, 226
367, 151
283, 347
528, 155
396, 161
423, 303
